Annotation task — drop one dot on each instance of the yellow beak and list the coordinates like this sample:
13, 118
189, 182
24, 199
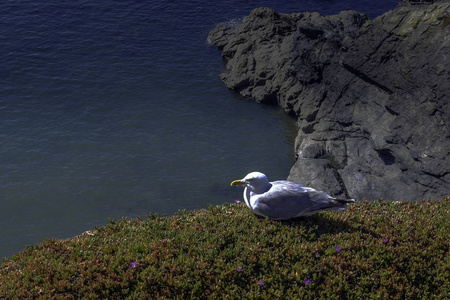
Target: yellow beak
238, 182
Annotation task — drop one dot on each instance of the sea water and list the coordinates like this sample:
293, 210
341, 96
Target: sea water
113, 109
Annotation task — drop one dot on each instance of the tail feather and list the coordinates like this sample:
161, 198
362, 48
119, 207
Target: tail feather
338, 204
342, 201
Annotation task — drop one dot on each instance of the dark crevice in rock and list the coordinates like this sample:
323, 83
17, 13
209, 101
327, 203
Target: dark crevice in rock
386, 156
309, 128
437, 176
389, 110
311, 33
366, 78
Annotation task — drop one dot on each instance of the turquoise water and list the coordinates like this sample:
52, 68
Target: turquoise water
115, 109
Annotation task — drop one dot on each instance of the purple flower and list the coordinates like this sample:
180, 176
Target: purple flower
261, 282
237, 201
307, 281
133, 264
386, 240
239, 268
338, 249
317, 254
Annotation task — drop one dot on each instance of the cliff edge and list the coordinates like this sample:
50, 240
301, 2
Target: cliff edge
371, 96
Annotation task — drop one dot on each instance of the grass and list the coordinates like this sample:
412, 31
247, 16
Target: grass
376, 250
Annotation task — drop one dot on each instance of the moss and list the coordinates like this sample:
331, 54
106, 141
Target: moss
372, 250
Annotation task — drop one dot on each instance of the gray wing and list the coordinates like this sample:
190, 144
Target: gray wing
287, 200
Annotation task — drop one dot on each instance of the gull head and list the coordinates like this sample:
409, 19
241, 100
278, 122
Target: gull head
257, 182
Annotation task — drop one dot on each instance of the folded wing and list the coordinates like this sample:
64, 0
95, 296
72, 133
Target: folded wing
287, 200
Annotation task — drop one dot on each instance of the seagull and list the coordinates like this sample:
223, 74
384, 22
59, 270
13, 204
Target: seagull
283, 199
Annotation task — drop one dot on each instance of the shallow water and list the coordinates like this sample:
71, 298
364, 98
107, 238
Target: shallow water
115, 108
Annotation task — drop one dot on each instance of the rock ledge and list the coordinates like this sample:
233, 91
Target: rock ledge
371, 96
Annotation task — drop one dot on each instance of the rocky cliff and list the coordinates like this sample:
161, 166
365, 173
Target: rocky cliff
371, 96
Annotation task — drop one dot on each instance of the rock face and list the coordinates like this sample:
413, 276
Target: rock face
371, 96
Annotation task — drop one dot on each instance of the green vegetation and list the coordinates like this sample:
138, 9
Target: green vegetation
376, 250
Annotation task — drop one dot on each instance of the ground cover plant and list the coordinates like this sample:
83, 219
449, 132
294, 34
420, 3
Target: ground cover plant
376, 250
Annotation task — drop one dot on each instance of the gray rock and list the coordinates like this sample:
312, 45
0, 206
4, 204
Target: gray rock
371, 96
